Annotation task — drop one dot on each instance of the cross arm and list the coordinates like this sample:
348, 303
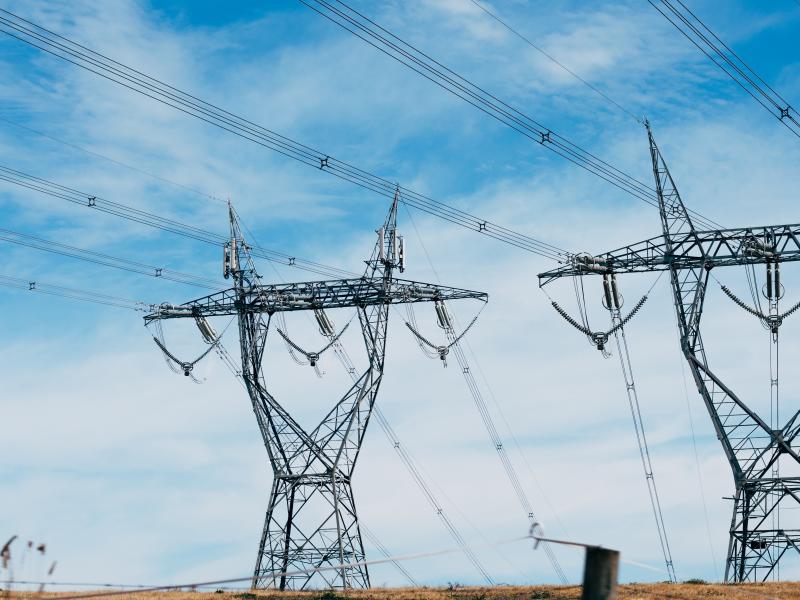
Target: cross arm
339, 293
713, 248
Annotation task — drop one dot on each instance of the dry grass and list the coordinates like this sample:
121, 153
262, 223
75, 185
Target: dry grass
782, 591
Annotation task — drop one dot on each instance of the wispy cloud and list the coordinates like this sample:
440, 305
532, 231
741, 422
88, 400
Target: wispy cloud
108, 449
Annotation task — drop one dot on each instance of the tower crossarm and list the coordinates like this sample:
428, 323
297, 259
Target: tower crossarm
339, 293
691, 249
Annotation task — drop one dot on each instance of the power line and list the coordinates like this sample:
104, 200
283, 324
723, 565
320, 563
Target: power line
558, 63
385, 551
641, 439
39, 287
730, 63
99, 258
97, 203
115, 161
99, 64
401, 51
414, 470
486, 417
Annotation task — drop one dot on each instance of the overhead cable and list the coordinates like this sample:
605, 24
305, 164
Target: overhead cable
415, 472
383, 40
97, 203
33, 285
99, 258
497, 442
132, 79
447, 320
730, 63
618, 327
115, 161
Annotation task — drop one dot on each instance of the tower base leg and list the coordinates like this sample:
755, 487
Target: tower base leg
756, 546
311, 523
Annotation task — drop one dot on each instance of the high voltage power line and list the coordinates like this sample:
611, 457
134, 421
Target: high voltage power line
94, 202
72, 52
115, 161
414, 470
730, 63
106, 260
385, 41
39, 287
483, 411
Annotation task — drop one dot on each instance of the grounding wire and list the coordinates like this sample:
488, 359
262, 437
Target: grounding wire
718, 52
48, 41
370, 32
502, 555
505, 460
557, 62
385, 551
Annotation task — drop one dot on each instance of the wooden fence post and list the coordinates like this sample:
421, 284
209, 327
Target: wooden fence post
600, 574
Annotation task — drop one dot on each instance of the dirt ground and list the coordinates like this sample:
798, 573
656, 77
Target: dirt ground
782, 591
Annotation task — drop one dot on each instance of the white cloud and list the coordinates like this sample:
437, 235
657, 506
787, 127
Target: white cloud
136, 474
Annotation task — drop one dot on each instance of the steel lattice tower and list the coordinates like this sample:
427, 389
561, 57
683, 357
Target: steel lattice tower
311, 519
752, 446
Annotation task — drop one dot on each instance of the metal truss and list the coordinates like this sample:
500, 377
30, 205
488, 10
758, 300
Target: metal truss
311, 519
714, 248
752, 446
287, 297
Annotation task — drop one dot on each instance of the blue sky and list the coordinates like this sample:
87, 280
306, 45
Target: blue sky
133, 474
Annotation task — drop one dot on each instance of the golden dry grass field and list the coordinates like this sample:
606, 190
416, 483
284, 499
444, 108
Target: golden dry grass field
782, 591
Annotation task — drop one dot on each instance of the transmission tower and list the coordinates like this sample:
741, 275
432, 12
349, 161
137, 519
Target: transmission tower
753, 446
311, 519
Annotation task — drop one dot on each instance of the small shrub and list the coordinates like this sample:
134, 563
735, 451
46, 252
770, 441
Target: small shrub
696, 581
247, 596
540, 595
